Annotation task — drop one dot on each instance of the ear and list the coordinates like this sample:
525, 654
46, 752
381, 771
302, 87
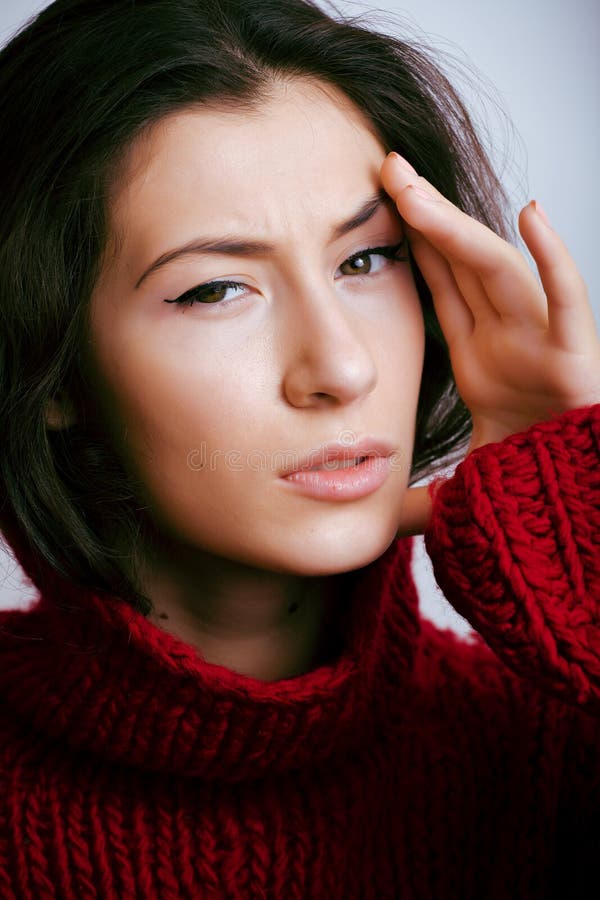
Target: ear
60, 412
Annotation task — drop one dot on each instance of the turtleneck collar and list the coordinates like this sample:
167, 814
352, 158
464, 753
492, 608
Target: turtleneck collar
91, 671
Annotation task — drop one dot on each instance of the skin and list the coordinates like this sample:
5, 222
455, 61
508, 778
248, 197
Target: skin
310, 353
522, 348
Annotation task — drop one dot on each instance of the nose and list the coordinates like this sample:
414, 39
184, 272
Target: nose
329, 362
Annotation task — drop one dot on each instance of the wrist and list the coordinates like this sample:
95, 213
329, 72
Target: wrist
416, 512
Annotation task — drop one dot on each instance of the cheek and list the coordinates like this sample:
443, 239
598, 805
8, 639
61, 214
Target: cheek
181, 423
162, 387
164, 405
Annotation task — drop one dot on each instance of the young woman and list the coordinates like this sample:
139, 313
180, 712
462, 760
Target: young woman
255, 280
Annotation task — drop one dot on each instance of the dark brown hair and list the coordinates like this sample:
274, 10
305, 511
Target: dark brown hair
77, 85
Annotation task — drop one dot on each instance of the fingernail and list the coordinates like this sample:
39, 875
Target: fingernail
541, 212
421, 193
403, 162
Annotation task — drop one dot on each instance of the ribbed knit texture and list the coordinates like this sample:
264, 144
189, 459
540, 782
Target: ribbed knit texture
413, 764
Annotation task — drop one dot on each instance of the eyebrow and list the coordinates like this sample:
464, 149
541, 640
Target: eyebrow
236, 246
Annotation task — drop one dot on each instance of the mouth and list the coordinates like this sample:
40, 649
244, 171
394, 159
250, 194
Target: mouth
340, 473
337, 456
334, 464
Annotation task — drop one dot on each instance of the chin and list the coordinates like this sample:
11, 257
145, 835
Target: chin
334, 554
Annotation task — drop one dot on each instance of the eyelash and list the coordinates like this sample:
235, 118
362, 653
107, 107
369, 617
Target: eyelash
190, 297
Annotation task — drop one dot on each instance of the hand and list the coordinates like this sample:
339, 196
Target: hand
520, 351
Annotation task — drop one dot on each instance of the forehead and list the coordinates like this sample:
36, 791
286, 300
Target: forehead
303, 148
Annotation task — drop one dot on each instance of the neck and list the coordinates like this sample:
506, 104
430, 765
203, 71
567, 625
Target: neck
267, 625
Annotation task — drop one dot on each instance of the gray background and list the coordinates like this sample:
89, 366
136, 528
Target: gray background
533, 83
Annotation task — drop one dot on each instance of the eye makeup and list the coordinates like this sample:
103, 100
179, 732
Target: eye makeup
214, 292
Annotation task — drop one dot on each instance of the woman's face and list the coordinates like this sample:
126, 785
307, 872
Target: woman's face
209, 404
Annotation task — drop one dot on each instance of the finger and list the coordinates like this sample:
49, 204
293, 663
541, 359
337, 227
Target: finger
570, 316
472, 289
505, 276
462, 288
451, 309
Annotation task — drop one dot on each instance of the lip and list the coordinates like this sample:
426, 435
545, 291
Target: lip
349, 483
316, 459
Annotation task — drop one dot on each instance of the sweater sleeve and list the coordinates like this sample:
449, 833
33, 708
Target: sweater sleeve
514, 541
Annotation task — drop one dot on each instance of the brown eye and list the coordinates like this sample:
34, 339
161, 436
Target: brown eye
372, 260
357, 265
212, 293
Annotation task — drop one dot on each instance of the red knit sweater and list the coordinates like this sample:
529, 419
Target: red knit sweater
413, 764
